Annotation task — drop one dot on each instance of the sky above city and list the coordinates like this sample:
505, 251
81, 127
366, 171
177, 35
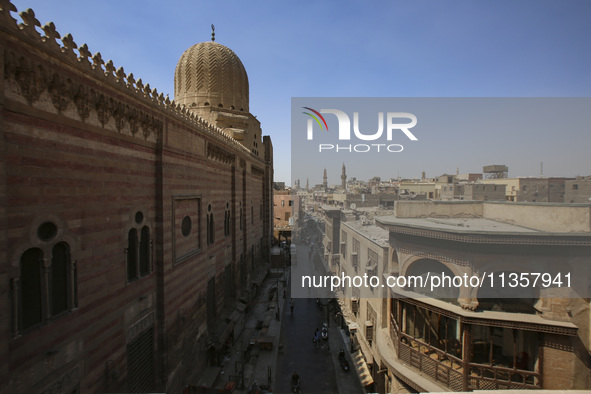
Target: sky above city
418, 48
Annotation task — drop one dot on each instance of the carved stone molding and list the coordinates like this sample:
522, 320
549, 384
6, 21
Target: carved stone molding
33, 79
499, 239
219, 154
434, 256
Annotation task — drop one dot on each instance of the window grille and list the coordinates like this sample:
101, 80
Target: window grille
140, 363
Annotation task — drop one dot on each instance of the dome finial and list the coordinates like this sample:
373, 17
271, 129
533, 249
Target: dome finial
212, 33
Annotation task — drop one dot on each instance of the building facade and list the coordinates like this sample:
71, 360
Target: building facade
413, 338
532, 189
130, 224
578, 190
286, 206
473, 192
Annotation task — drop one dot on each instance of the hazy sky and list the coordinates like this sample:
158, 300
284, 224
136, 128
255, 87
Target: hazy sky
435, 48
451, 134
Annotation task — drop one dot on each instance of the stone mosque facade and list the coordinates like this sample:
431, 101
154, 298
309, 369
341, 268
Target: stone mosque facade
130, 225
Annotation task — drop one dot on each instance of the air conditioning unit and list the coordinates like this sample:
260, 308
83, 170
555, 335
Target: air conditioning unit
369, 331
354, 305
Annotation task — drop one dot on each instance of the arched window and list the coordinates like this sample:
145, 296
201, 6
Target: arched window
138, 253
60, 260
30, 288
42, 293
132, 271
46, 282
421, 270
227, 221
240, 216
145, 251
210, 226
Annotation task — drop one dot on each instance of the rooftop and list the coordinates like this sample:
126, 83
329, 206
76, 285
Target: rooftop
375, 233
458, 224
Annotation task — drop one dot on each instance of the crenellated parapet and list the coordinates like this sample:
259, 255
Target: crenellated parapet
48, 70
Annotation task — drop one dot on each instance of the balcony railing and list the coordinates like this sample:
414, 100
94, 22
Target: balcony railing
456, 374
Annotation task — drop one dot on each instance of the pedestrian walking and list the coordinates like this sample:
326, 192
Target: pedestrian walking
317, 337
291, 305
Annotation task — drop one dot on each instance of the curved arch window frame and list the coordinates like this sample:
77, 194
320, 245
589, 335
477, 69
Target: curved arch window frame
55, 292
227, 221
423, 267
138, 251
210, 224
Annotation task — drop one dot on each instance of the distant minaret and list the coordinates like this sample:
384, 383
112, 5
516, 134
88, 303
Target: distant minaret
325, 180
423, 175
344, 178
307, 184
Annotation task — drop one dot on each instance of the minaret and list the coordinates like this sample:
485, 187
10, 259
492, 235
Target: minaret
344, 178
325, 180
307, 184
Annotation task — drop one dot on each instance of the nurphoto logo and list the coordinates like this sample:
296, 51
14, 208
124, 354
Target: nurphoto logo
391, 124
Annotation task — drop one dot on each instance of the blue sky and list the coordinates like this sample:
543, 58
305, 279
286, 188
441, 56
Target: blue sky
415, 48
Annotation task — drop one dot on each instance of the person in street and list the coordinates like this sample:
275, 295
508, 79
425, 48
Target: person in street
254, 389
316, 337
291, 305
295, 381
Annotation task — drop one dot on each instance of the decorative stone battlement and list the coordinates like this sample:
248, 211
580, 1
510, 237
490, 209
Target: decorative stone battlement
35, 78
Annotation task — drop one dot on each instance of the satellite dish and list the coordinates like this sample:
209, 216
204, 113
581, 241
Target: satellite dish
353, 206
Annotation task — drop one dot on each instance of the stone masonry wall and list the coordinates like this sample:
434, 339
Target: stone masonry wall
87, 146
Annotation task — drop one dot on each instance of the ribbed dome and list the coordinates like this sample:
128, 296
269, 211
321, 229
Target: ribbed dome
209, 73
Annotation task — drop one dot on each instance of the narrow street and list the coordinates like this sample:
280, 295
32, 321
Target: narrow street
315, 366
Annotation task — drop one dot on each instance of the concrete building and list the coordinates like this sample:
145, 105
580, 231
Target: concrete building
468, 337
130, 225
473, 191
287, 207
532, 189
364, 250
409, 188
578, 190
470, 178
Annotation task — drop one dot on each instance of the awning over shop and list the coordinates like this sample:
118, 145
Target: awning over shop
224, 327
361, 367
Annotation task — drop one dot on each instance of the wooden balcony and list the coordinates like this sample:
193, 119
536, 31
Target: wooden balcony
457, 374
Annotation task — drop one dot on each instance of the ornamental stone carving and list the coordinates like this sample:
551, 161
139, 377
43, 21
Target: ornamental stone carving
217, 153
210, 74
